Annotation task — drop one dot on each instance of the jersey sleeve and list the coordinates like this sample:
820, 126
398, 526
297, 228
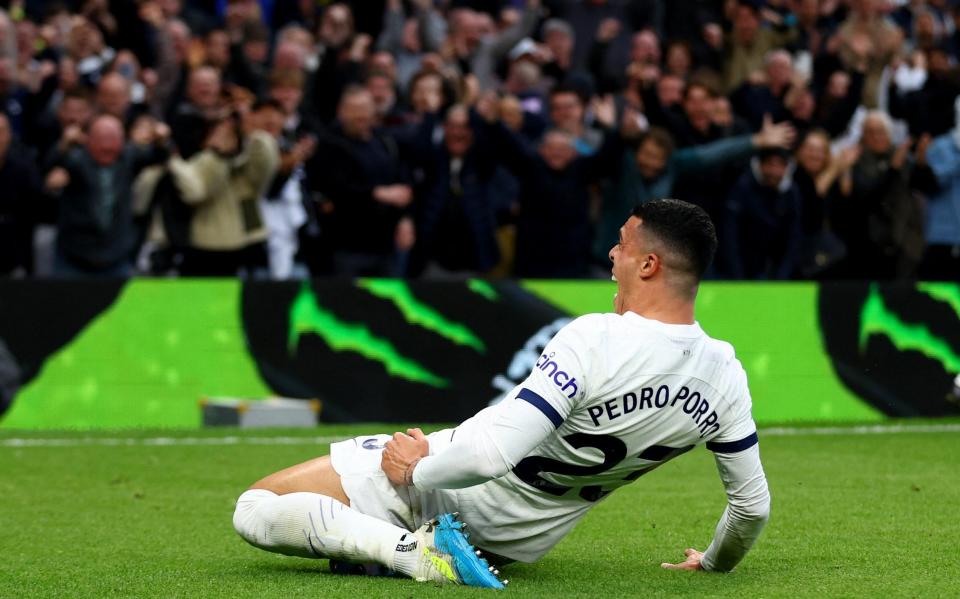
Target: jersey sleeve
485, 447
747, 511
737, 431
491, 443
560, 377
737, 454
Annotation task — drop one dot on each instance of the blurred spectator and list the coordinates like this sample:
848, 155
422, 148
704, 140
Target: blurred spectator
282, 205
750, 41
217, 49
456, 221
203, 103
928, 109
427, 95
359, 171
670, 92
815, 176
74, 109
764, 93
649, 171
384, 95
568, 113
20, 205
409, 38
879, 217
229, 176
692, 124
679, 59
173, 44
941, 260
342, 54
553, 227
94, 173
12, 94
644, 55
558, 41
839, 101
762, 228
477, 48
706, 72
249, 51
113, 97
866, 35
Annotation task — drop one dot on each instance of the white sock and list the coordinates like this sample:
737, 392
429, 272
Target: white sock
314, 525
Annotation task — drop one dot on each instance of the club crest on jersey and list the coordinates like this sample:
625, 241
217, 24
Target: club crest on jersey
372, 444
549, 367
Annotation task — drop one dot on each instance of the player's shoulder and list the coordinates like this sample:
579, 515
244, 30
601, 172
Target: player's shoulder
724, 356
720, 350
588, 326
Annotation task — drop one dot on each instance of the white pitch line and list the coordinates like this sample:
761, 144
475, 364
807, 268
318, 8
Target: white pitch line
166, 441
876, 429
879, 429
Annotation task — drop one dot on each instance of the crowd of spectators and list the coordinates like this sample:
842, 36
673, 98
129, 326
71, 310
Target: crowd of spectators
453, 138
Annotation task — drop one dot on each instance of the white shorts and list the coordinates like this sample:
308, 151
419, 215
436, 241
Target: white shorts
357, 461
516, 525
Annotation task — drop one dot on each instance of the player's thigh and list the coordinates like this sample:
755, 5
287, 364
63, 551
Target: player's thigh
313, 476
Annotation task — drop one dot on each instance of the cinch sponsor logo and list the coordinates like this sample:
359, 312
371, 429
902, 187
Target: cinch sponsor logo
561, 379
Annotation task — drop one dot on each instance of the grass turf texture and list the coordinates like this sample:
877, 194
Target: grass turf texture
858, 515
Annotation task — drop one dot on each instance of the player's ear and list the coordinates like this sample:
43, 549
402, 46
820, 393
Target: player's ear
649, 265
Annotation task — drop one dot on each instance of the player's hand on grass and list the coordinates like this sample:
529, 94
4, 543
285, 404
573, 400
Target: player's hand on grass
401, 454
691, 563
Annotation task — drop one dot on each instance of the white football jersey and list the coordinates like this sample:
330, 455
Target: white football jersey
625, 394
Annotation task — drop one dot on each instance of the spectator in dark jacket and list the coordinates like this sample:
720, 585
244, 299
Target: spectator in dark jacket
96, 230
341, 58
20, 204
202, 105
765, 95
554, 234
649, 171
879, 217
761, 230
930, 108
359, 171
694, 125
456, 222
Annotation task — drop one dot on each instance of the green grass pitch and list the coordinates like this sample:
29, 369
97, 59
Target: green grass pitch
853, 516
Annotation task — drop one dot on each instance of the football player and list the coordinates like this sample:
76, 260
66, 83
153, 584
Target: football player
612, 397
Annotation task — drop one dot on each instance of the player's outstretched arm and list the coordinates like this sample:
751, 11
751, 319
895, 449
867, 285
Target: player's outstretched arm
484, 448
491, 443
747, 511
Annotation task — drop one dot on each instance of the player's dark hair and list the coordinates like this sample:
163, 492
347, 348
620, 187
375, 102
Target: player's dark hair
684, 228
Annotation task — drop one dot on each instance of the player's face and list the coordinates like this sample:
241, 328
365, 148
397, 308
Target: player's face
625, 257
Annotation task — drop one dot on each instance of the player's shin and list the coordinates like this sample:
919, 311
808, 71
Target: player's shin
317, 526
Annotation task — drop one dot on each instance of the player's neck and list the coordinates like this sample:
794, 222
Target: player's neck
665, 308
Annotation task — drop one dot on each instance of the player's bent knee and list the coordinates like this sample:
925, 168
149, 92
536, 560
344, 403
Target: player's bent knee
248, 517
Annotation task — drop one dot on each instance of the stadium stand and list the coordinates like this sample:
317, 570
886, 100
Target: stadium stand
455, 138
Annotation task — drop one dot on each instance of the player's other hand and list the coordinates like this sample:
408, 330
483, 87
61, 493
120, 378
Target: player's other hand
401, 454
691, 563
